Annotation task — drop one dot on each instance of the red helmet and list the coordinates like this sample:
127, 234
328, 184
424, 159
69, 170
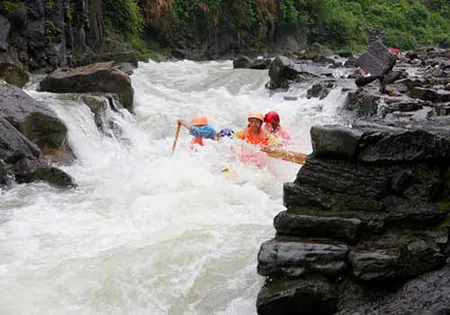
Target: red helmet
272, 117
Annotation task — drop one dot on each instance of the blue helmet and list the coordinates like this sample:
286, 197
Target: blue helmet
226, 133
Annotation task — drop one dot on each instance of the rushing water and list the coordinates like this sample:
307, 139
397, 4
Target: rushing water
147, 232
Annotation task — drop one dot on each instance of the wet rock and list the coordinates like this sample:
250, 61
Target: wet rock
427, 294
337, 228
34, 120
301, 296
281, 71
22, 160
320, 90
102, 77
293, 259
261, 64
5, 26
242, 62
384, 144
376, 265
378, 60
335, 140
363, 81
362, 103
432, 95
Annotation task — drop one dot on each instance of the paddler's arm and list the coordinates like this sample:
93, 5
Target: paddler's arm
183, 123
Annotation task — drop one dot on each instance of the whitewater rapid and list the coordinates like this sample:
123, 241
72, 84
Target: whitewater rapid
145, 231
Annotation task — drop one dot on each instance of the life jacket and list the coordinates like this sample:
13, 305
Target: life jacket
260, 139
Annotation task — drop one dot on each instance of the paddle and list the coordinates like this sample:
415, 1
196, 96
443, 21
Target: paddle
177, 133
285, 155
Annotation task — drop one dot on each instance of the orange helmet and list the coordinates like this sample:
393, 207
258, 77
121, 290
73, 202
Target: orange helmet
200, 120
257, 115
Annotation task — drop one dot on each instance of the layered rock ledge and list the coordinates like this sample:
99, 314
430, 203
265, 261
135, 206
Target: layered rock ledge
366, 215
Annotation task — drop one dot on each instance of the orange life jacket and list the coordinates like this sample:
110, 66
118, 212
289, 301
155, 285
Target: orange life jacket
260, 139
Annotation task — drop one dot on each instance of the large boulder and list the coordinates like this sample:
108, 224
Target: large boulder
378, 60
100, 77
365, 214
36, 121
22, 161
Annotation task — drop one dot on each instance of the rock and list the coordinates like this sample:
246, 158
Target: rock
340, 176
376, 265
14, 75
395, 89
320, 90
101, 77
335, 140
34, 120
281, 70
22, 160
316, 51
337, 228
427, 294
300, 296
402, 145
378, 60
293, 259
363, 81
260, 64
5, 26
242, 62
362, 103
430, 94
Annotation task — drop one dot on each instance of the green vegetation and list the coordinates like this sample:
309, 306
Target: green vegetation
341, 24
11, 6
124, 23
253, 24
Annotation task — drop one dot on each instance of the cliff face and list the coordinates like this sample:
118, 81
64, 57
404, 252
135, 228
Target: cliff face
367, 213
37, 34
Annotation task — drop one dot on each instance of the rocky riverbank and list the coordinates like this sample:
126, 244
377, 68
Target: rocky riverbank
369, 211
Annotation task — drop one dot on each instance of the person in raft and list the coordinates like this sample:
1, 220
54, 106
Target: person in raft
272, 126
200, 129
254, 133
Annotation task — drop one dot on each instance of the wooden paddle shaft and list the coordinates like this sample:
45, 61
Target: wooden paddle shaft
289, 156
177, 133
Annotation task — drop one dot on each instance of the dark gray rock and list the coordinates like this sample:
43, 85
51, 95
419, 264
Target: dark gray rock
403, 146
5, 26
376, 265
378, 60
335, 141
34, 120
427, 294
242, 62
300, 296
337, 228
362, 103
294, 259
260, 64
281, 71
102, 77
